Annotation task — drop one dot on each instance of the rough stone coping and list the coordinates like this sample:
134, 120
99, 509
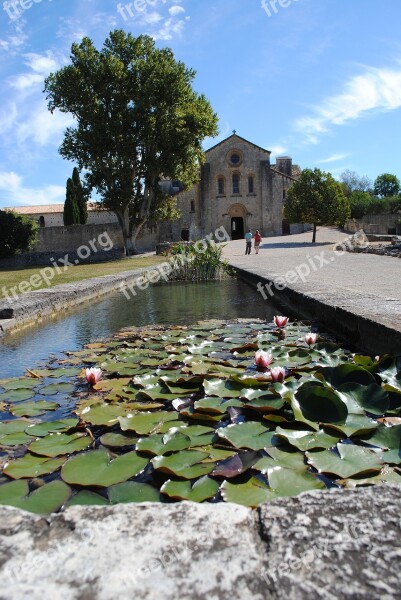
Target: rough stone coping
336, 544
37, 304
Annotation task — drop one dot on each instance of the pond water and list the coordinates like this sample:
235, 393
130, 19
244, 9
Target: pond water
175, 303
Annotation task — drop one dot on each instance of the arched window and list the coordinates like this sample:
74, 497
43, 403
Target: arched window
251, 184
236, 183
221, 185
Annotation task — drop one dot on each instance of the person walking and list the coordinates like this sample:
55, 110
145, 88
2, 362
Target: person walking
257, 239
248, 240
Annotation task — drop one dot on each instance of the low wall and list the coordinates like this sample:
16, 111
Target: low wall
379, 224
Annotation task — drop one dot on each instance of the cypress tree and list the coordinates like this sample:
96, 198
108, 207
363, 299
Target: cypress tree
71, 212
80, 197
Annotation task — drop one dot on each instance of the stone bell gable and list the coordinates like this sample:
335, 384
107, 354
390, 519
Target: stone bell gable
239, 189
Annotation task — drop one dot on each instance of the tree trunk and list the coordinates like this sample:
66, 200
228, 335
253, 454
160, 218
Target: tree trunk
137, 230
314, 234
123, 219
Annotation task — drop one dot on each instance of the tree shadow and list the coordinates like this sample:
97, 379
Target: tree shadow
298, 244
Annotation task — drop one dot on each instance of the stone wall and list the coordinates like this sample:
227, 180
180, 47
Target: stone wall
379, 224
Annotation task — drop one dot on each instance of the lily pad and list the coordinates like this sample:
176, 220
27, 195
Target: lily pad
87, 498
33, 409
286, 482
46, 499
43, 429
117, 440
203, 489
253, 493
389, 439
307, 440
186, 464
102, 414
149, 422
132, 491
18, 395
12, 433
360, 398
251, 435
289, 458
29, 466
222, 388
97, 467
59, 444
57, 388
349, 461
157, 445
345, 373
319, 403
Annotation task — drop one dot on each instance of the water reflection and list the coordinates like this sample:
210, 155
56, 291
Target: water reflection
169, 304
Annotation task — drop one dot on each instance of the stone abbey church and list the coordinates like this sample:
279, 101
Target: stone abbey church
239, 189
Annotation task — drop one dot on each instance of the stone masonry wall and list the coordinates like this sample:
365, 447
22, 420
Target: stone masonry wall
379, 224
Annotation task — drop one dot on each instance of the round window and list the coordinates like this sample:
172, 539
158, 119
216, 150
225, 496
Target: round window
235, 158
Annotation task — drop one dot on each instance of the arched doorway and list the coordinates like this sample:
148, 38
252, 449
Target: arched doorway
237, 213
237, 228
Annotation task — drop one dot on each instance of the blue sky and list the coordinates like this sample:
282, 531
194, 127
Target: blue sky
319, 80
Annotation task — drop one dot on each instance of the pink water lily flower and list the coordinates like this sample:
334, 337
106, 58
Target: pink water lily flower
93, 375
280, 321
277, 374
310, 338
263, 359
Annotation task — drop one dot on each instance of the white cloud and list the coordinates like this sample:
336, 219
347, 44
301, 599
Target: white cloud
374, 90
176, 10
277, 150
331, 159
13, 192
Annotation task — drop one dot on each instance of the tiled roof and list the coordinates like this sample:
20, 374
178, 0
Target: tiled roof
46, 209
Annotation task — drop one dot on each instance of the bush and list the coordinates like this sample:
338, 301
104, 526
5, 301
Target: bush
197, 261
17, 233
360, 203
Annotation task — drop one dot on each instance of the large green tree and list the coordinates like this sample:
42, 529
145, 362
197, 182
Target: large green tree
138, 120
387, 185
18, 233
80, 197
316, 198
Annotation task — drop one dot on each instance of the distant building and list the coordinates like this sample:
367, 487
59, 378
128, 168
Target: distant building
51, 215
238, 189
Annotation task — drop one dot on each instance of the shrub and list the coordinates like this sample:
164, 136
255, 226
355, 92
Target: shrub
360, 203
17, 233
197, 261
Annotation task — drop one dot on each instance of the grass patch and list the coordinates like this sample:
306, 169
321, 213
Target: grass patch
10, 278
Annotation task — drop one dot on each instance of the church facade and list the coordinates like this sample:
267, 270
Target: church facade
239, 189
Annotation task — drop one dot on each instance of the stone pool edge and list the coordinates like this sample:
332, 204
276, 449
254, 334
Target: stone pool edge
331, 544
362, 332
39, 304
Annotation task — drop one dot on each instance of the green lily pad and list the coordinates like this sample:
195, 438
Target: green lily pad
43, 429
252, 435
288, 458
46, 499
29, 466
19, 382
349, 461
57, 388
186, 464
97, 467
223, 388
203, 489
361, 398
346, 373
319, 403
132, 491
386, 475
18, 395
253, 493
117, 440
172, 441
389, 439
288, 482
12, 433
216, 406
354, 425
307, 440
59, 444
102, 414
33, 409
149, 422
87, 498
